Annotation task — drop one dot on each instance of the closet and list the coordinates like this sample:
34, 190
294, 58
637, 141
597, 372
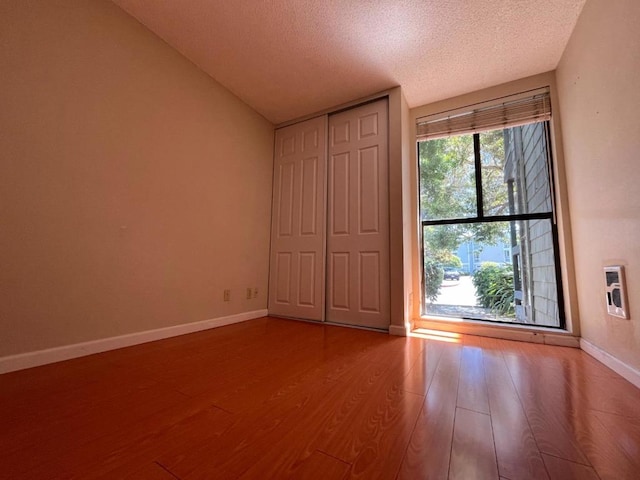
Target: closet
330, 222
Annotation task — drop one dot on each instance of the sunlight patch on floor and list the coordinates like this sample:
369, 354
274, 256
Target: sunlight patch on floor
448, 337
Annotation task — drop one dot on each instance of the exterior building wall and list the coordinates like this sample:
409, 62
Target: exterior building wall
526, 152
472, 256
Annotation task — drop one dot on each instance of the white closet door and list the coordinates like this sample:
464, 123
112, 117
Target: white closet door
296, 278
358, 217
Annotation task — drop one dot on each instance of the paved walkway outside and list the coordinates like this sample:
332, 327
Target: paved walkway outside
458, 299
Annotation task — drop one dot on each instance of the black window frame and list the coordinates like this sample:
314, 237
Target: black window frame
482, 218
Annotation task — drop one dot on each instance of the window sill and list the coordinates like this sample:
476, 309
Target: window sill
518, 332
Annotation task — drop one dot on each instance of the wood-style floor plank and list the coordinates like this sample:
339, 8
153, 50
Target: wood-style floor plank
361, 416
83, 420
252, 436
516, 449
365, 421
472, 390
419, 376
560, 469
275, 398
291, 418
203, 428
548, 404
318, 466
608, 459
625, 431
150, 471
579, 407
429, 450
472, 453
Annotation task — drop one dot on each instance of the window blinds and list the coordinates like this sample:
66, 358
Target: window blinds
527, 107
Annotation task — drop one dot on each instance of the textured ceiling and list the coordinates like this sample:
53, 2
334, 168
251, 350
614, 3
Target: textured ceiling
289, 58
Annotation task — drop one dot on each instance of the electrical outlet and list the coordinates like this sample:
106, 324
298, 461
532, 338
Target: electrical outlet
248, 293
255, 292
227, 295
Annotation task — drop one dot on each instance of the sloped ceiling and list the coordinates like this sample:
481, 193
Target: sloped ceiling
289, 58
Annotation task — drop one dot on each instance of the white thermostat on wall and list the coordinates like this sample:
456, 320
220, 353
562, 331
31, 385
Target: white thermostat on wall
616, 291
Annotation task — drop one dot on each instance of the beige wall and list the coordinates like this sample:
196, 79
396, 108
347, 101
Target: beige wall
409, 214
133, 188
396, 231
599, 91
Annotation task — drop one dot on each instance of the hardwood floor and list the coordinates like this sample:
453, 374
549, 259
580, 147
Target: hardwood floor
273, 398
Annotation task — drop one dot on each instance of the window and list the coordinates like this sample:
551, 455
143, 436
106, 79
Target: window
486, 209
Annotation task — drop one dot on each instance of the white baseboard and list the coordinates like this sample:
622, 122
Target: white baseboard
612, 362
399, 330
51, 355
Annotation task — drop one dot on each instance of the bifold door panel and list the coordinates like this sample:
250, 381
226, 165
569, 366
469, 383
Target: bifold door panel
358, 217
297, 231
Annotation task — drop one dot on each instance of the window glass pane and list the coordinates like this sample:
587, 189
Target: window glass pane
447, 178
495, 188
499, 271
515, 176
